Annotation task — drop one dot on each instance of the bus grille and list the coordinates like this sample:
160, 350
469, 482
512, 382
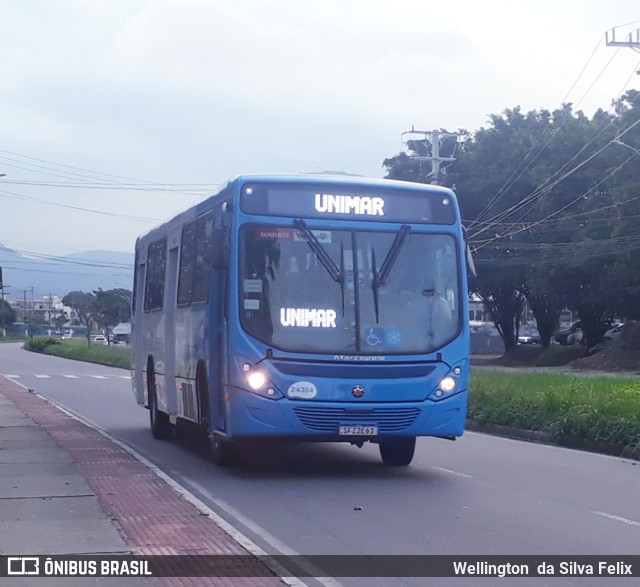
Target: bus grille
328, 419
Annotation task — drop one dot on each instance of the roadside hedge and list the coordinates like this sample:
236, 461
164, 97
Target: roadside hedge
113, 356
586, 410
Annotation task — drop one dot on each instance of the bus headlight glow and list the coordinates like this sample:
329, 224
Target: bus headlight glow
448, 384
256, 380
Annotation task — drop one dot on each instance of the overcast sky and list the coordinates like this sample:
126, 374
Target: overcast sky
105, 93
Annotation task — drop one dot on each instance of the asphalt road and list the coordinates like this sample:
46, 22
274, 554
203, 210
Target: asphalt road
480, 495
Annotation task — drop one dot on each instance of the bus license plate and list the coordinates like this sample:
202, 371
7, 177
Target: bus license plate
358, 430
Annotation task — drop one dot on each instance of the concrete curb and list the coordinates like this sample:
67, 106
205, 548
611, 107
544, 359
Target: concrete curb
616, 450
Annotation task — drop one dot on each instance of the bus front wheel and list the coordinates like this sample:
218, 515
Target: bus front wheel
222, 452
161, 427
397, 451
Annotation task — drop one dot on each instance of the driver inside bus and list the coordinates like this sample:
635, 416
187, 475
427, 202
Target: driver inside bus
423, 295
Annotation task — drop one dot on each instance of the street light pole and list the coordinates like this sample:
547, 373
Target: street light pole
4, 331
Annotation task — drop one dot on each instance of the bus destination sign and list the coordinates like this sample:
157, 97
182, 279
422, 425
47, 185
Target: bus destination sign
348, 202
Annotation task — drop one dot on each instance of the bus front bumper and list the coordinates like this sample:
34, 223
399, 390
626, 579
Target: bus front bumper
249, 414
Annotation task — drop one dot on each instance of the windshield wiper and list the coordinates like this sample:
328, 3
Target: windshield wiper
336, 273
380, 277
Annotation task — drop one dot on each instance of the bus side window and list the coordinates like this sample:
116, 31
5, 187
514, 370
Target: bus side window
203, 258
187, 264
156, 268
137, 270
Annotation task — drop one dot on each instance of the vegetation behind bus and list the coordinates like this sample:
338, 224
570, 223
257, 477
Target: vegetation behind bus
78, 349
575, 243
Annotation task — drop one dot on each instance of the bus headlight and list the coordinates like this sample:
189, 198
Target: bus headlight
256, 380
455, 381
448, 384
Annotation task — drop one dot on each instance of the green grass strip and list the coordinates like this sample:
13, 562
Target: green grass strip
113, 356
588, 409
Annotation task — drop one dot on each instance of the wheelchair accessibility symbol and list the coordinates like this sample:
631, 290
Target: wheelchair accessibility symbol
389, 337
375, 337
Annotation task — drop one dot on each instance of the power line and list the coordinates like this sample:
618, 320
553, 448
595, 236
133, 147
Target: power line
13, 195
57, 272
107, 175
574, 201
181, 189
541, 192
542, 187
519, 172
76, 261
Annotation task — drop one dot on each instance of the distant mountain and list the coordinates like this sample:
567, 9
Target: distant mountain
48, 274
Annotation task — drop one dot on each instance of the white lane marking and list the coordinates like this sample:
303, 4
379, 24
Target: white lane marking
128, 377
12, 376
71, 376
98, 377
43, 376
234, 533
542, 446
452, 472
268, 537
618, 519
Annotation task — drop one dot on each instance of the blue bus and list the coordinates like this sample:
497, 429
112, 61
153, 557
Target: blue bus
311, 308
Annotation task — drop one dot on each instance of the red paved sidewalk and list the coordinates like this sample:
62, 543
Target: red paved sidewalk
153, 517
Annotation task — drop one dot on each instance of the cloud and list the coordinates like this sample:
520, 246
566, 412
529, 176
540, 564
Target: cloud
195, 91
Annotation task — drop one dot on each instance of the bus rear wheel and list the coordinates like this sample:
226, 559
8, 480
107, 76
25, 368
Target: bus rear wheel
222, 452
397, 451
161, 427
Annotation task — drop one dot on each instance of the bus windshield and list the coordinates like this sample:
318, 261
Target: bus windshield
345, 291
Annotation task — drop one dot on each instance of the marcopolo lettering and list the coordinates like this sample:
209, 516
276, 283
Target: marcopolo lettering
341, 204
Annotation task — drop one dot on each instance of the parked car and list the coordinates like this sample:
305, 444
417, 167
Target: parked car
99, 339
572, 335
614, 333
525, 339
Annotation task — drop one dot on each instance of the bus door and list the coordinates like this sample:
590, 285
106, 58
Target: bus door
138, 359
214, 235
170, 330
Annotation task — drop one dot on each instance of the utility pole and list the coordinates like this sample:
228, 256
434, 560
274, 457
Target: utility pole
632, 40
26, 315
3, 331
432, 138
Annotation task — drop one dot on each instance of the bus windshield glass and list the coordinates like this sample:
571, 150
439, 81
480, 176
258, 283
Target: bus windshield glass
346, 291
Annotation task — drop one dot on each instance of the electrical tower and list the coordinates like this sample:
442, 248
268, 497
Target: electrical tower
432, 139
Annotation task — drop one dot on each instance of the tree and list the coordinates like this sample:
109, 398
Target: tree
550, 203
112, 307
84, 305
545, 297
61, 319
589, 294
7, 315
495, 286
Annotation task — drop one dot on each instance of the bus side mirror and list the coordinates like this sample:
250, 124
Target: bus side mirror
470, 262
220, 248
471, 266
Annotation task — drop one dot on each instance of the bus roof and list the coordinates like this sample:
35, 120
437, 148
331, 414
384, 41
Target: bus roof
336, 179
295, 178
